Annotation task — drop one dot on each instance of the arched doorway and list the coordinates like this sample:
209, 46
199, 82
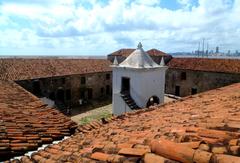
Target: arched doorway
154, 100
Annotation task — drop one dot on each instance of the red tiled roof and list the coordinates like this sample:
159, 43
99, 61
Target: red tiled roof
26, 123
127, 52
122, 52
21, 69
198, 128
156, 52
206, 64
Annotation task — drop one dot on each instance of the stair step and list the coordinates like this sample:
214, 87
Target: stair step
134, 108
133, 104
129, 101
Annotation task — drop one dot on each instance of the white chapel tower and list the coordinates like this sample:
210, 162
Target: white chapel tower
138, 82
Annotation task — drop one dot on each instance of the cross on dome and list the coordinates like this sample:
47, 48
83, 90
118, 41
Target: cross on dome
139, 45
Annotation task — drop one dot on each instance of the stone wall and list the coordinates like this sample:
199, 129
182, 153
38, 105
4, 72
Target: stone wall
191, 82
70, 89
49, 87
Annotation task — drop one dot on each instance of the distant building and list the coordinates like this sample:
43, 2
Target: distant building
155, 54
68, 82
217, 49
188, 76
138, 82
229, 52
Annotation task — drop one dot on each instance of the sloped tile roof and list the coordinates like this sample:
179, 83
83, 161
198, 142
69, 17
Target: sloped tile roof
206, 64
21, 69
156, 52
122, 52
198, 128
26, 123
127, 52
139, 59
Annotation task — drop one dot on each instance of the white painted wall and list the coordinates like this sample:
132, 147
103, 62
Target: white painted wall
144, 83
119, 105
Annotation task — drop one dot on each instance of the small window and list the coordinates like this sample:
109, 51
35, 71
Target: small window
194, 91
107, 76
183, 76
83, 80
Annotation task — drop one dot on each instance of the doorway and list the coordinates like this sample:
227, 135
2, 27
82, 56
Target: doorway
194, 91
125, 87
60, 95
108, 90
68, 94
177, 90
90, 93
154, 100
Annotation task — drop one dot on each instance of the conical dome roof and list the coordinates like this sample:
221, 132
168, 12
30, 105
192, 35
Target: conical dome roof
139, 59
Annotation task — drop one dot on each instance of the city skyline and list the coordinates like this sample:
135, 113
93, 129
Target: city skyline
81, 27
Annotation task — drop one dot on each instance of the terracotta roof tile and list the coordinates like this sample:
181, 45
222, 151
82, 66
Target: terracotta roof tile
122, 52
133, 151
100, 156
21, 69
177, 135
127, 52
156, 52
206, 64
26, 123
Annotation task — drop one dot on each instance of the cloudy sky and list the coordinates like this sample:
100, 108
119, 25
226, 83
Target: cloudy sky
99, 27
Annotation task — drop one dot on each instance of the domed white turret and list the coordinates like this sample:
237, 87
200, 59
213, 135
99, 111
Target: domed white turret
138, 82
139, 59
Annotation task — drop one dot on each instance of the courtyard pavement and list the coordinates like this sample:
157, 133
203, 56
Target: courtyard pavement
98, 112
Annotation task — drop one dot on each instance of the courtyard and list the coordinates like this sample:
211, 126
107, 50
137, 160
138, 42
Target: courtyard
96, 111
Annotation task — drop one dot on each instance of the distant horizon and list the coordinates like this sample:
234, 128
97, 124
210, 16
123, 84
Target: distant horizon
55, 54
105, 57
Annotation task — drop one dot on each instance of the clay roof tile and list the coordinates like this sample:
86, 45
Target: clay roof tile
206, 64
23, 69
21, 127
176, 134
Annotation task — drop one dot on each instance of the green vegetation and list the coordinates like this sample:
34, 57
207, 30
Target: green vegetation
96, 116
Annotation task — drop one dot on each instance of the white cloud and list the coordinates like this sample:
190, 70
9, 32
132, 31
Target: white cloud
184, 2
68, 24
148, 2
4, 20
